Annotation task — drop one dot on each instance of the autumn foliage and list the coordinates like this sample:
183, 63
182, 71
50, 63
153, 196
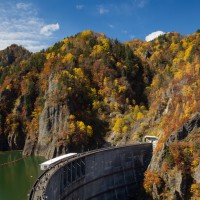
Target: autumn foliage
114, 91
151, 178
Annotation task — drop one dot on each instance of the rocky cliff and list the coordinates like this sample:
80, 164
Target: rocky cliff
53, 119
177, 178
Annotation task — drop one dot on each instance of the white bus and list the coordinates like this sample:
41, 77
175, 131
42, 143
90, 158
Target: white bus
151, 139
49, 163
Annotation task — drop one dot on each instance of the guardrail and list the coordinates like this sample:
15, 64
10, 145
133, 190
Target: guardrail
36, 182
31, 195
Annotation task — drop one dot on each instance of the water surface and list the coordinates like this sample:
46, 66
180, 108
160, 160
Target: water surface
17, 179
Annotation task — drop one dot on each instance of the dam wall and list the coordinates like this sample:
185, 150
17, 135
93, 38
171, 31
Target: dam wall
112, 173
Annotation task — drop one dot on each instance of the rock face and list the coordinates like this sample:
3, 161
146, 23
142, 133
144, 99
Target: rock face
53, 120
188, 127
16, 140
176, 183
12, 138
197, 174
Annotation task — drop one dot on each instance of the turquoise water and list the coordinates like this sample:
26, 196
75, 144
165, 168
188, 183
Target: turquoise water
17, 179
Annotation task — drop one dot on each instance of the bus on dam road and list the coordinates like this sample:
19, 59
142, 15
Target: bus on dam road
151, 139
49, 163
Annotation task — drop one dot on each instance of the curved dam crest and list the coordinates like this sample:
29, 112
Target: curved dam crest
110, 173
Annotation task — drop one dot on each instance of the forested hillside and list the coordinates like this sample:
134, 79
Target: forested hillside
70, 95
88, 90
173, 115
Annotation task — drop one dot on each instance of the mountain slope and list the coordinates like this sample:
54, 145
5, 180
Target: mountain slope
13, 55
64, 97
174, 98
87, 91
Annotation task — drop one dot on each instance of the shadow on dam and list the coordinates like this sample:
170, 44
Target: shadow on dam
111, 173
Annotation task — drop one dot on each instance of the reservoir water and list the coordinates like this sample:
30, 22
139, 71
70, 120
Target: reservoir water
17, 179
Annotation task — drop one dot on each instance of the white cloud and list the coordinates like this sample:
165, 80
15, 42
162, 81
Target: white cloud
20, 24
111, 26
47, 30
79, 7
102, 10
127, 8
141, 3
154, 35
29, 44
23, 6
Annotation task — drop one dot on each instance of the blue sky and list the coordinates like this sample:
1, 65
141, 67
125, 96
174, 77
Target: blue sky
38, 24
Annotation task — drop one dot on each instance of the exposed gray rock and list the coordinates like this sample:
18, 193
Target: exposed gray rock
29, 146
155, 193
167, 108
52, 122
16, 140
187, 128
177, 185
197, 174
16, 137
157, 159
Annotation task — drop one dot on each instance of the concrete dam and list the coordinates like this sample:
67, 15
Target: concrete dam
110, 173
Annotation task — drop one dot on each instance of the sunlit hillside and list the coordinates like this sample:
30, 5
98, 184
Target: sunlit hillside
88, 91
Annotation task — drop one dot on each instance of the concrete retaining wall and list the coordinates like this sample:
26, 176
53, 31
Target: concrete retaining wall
115, 173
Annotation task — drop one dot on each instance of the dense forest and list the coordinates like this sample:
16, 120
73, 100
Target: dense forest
88, 91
